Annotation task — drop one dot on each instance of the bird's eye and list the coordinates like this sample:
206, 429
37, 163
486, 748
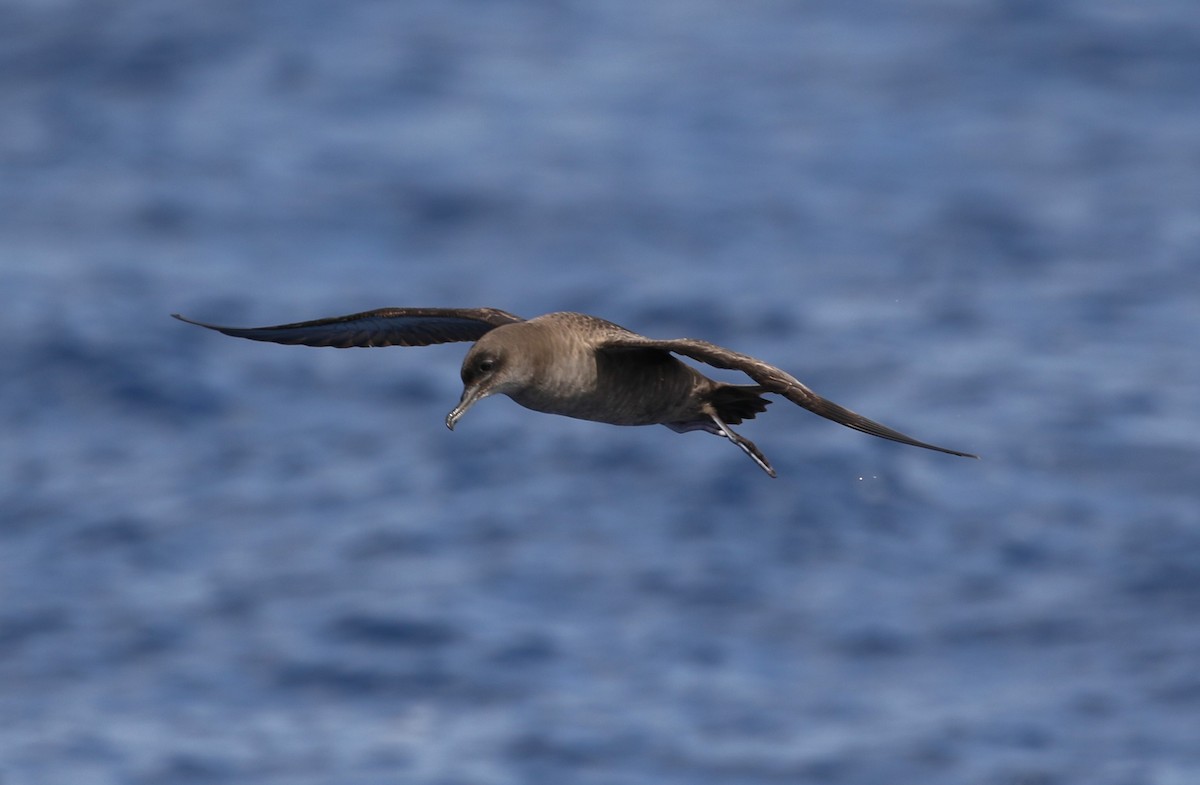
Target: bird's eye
487, 365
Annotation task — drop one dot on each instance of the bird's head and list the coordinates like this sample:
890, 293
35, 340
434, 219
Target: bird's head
487, 369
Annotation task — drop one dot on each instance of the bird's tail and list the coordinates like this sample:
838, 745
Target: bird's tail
737, 402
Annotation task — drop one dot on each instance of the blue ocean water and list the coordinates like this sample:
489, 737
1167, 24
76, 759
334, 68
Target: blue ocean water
223, 561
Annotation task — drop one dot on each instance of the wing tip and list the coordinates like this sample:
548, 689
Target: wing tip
186, 320
925, 445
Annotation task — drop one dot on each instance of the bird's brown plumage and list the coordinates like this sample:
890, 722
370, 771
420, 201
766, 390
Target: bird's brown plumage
581, 366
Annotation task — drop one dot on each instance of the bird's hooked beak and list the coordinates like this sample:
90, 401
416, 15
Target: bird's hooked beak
471, 394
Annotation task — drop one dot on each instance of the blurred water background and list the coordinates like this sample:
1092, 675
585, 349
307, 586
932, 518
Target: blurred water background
223, 561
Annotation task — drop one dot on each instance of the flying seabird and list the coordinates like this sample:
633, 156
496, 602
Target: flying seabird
581, 366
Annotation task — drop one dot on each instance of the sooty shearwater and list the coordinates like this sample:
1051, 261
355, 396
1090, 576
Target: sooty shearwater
580, 366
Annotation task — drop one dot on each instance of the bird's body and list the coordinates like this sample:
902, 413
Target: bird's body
631, 387
580, 366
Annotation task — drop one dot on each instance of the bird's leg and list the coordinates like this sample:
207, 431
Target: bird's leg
746, 445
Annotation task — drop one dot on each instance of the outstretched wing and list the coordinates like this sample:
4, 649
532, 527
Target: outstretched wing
772, 380
382, 327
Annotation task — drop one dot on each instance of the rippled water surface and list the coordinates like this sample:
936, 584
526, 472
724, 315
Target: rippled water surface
223, 561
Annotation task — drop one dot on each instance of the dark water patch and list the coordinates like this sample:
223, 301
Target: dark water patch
20, 627
1023, 554
1093, 703
353, 681
1025, 630
723, 588
611, 457
439, 210
570, 750
874, 640
394, 631
1031, 774
151, 638
118, 532
1179, 691
165, 216
824, 768
27, 511
388, 544
1160, 558
683, 318
73, 371
191, 768
129, 540
415, 388
529, 651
